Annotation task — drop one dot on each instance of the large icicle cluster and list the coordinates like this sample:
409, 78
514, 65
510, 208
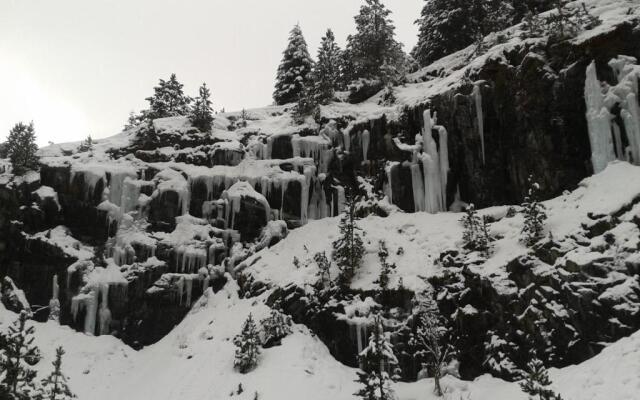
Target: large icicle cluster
612, 134
430, 167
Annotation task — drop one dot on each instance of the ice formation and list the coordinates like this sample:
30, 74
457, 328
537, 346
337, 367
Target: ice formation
477, 96
316, 147
430, 167
605, 134
366, 137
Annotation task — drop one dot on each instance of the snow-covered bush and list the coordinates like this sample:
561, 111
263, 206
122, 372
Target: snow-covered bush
379, 365
55, 386
22, 148
534, 215
536, 382
348, 249
247, 346
275, 327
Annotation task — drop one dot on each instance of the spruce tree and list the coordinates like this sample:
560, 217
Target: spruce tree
324, 273
537, 381
55, 386
472, 228
294, 70
379, 366
430, 341
22, 148
168, 100
534, 215
374, 42
17, 357
446, 26
247, 346
348, 249
201, 115
385, 267
326, 72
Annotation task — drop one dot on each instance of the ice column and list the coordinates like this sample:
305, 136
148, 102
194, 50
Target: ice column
598, 121
477, 95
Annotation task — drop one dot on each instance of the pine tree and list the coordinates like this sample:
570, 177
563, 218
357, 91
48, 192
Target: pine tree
534, 215
17, 356
348, 249
133, 121
305, 106
201, 115
326, 72
537, 381
294, 70
484, 238
385, 267
22, 148
446, 26
377, 361
374, 42
566, 22
430, 340
55, 386
168, 100
275, 327
472, 227
247, 346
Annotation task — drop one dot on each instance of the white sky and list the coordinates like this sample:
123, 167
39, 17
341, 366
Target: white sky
77, 67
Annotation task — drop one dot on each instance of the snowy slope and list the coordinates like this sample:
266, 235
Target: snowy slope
424, 236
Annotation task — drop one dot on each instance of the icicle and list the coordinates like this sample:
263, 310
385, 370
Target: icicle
346, 139
91, 307
54, 303
477, 94
104, 313
366, 136
417, 183
188, 287
341, 199
632, 125
599, 122
444, 164
388, 171
180, 288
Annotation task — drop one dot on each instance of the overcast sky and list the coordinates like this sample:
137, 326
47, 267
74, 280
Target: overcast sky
77, 67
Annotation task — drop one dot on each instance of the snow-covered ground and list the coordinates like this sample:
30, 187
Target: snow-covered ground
195, 362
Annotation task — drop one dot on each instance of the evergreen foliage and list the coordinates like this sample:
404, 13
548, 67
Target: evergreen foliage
294, 71
327, 74
475, 236
201, 115
55, 386
385, 267
446, 26
567, 22
247, 346
168, 100
275, 327
377, 361
534, 215
374, 44
537, 381
133, 121
22, 148
324, 273
305, 106
86, 145
348, 249
430, 340
17, 357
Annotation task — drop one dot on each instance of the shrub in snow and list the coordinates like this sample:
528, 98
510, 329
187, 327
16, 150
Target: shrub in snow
247, 346
324, 273
385, 267
475, 236
17, 356
534, 215
536, 382
55, 386
348, 249
430, 342
201, 114
168, 100
86, 145
567, 22
294, 70
377, 361
22, 148
275, 328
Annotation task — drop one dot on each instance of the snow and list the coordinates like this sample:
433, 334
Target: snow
60, 237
